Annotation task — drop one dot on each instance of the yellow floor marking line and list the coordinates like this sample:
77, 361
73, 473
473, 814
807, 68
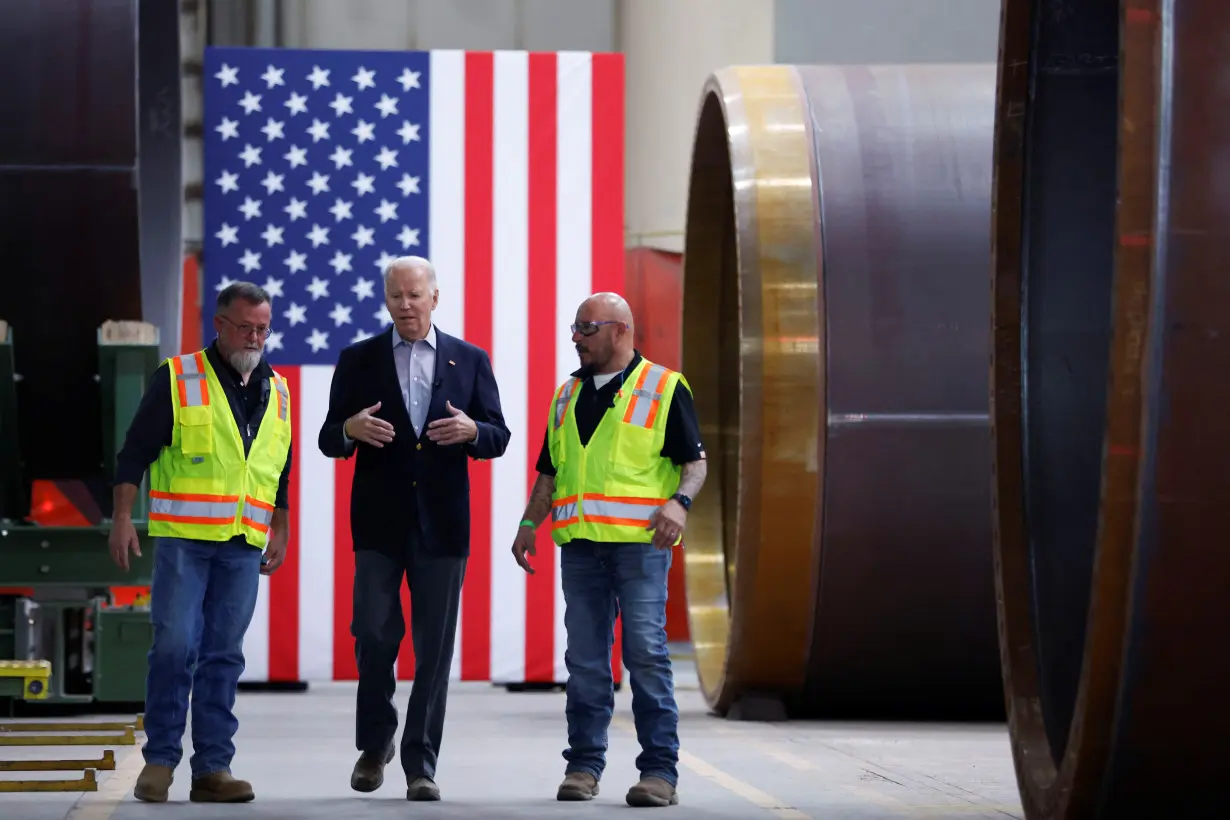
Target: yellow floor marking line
100, 805
732, 784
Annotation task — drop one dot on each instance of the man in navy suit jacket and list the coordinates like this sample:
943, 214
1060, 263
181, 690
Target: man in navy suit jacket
413, 404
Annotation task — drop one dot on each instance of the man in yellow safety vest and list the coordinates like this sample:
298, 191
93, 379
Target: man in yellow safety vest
214, 430
621, 461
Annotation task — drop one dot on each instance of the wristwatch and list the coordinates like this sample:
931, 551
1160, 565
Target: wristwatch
684, 501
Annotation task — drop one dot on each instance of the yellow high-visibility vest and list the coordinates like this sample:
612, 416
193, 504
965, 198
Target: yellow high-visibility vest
202, 486
607, 490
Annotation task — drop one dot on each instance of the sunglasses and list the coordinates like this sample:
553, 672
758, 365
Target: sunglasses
590, 328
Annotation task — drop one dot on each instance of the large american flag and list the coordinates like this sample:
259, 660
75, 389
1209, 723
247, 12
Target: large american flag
506, 170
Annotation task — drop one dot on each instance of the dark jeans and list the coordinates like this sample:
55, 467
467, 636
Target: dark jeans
378, 627
600, 580
201, 601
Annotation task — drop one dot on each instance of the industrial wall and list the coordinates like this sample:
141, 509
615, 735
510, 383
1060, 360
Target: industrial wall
670, 47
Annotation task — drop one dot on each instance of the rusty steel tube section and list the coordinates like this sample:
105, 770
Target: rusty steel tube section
1111, 404
835, 334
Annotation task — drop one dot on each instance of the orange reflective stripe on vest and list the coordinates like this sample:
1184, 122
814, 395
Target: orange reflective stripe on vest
643, 408
190, 379
257, 514
192, 508
561, 404
206, 509
283, 397
563, 512
620, 511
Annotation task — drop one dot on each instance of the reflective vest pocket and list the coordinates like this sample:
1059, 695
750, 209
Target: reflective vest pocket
196, 430
628, 466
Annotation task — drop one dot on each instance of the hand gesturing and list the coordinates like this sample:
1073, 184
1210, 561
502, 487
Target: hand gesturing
457, 429
365, 427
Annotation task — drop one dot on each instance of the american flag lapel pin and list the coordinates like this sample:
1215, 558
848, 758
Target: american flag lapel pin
452, 363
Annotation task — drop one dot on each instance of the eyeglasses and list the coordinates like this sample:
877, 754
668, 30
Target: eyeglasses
590, 328
246, 329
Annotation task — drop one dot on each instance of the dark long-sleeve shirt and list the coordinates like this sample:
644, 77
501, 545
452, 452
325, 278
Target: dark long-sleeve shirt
151, 427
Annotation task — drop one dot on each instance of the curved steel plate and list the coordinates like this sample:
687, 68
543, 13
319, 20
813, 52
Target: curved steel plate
835, 336
1113, 605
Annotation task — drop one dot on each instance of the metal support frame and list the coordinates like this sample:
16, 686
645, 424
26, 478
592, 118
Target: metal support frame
88, 781
106, 763
124, 738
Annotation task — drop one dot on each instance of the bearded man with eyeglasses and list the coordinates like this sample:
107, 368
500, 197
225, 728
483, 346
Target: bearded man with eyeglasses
214, 430
620, 463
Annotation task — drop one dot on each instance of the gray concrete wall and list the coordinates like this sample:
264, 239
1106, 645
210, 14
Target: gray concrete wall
886, 31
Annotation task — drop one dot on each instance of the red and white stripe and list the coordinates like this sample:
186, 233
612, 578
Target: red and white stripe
526, 211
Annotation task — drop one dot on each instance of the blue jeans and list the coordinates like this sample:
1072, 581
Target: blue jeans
202, 599
600, 580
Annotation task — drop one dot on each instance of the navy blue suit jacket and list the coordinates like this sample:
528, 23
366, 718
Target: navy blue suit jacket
410, 469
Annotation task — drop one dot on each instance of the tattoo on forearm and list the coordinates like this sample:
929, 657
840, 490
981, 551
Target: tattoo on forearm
692, 477
539, 506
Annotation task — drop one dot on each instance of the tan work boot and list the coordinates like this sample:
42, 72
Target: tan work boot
652, 791
578, 786
220, 787
153, 783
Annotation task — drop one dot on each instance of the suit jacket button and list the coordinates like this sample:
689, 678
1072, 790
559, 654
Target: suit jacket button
414, 484
419, 446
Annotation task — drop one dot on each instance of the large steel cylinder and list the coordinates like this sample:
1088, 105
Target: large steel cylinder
836, 292
1111, 405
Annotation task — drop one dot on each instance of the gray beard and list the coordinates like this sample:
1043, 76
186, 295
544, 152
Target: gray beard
245, 361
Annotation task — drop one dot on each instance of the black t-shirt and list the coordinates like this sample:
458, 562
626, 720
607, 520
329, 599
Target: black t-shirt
682, 445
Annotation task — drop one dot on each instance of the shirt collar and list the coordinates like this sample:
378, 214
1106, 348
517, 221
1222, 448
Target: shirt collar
587, 372
430, 338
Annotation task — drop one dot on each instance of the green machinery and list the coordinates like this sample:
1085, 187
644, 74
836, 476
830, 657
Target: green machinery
56, 601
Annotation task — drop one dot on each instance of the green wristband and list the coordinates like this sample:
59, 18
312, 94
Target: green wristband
525, 522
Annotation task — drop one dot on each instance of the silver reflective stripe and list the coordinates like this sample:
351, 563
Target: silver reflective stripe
255, 514
643, 399
595, 508
191, 379
285, 402
222, 510
561, 404
563, 512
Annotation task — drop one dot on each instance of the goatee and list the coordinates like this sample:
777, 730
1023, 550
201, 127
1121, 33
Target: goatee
245, 361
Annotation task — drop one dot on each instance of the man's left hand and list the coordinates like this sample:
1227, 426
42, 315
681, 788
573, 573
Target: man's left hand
458, 429
275, 551
667, 522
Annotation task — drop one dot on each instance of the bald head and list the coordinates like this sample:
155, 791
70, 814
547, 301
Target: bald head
606, 307
603, 333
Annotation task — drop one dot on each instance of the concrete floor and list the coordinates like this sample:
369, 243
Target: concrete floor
501, 759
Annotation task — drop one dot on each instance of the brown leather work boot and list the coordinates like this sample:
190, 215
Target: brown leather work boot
368, 774
578, 786
652, 791
220, 787
422, 787
153, 784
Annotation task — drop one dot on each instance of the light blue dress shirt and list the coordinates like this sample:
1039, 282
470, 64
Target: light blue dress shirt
416, 367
